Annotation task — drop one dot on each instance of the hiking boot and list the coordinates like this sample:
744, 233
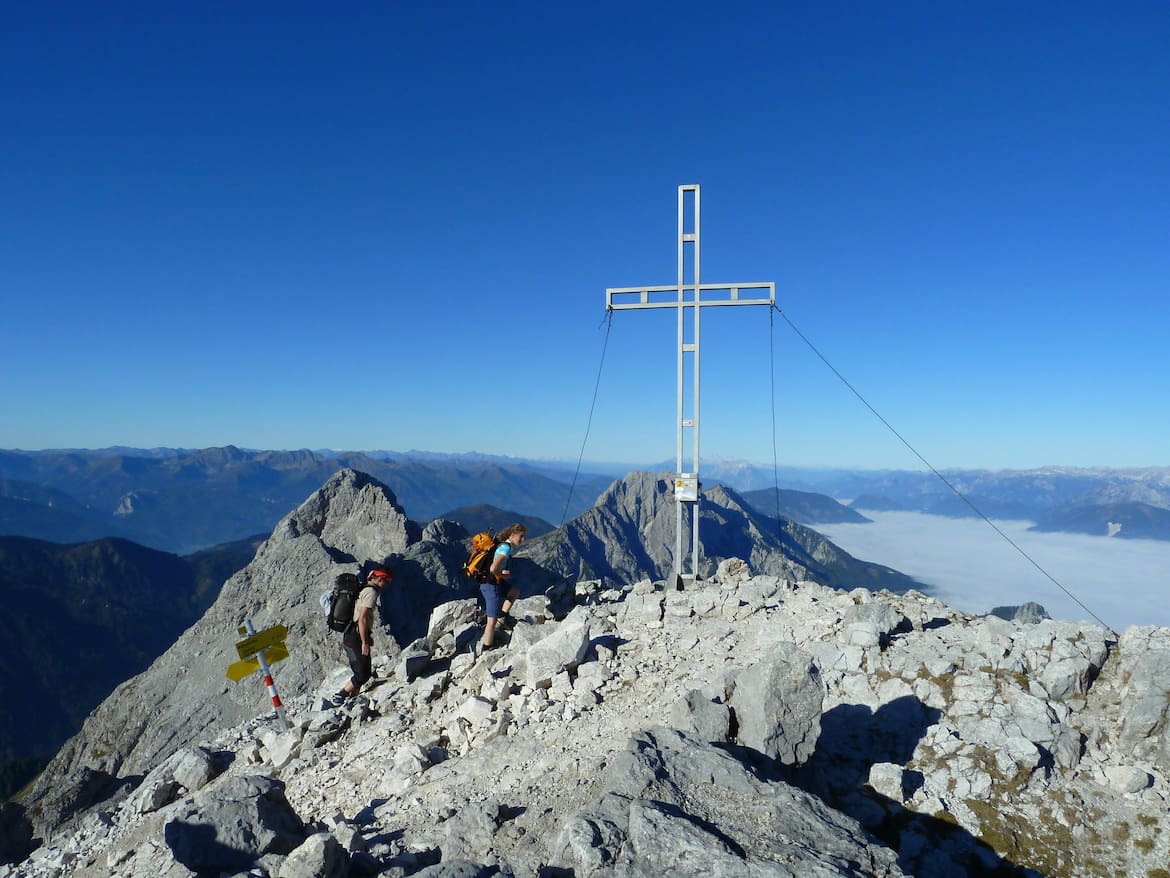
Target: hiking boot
506, 623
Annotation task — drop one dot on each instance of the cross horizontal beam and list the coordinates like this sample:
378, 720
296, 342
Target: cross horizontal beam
629, 298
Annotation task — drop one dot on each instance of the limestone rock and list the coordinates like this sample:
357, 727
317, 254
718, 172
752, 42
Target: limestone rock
703, 717
777, 705
564, 649
319, 856
230, 828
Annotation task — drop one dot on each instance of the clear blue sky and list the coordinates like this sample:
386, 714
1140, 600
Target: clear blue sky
391, 226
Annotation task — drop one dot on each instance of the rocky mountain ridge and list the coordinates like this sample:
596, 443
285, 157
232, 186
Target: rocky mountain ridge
751, 726
352, 519
757, 724
629, 534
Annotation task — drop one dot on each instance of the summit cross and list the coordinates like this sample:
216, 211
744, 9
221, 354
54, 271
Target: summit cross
694, 296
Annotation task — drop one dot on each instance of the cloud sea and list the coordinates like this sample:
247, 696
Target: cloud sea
972, 568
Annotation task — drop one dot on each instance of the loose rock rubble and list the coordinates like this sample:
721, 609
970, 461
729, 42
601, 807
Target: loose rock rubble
745, 726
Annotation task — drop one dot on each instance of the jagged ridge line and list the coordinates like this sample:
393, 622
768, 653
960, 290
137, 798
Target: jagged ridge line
589, 421
939, 475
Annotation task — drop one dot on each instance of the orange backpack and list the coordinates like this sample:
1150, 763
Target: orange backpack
479, 564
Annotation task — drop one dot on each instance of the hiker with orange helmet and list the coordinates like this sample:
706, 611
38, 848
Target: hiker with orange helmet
358, 638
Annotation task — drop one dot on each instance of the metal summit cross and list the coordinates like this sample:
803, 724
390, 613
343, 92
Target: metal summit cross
681, 296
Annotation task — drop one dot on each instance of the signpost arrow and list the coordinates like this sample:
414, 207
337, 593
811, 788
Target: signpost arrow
239, 670
261, 640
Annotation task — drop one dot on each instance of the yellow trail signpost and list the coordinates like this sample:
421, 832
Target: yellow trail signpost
260, 640
239, 670
256, 651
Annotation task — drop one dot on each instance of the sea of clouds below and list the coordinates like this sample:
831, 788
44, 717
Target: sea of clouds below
972, 568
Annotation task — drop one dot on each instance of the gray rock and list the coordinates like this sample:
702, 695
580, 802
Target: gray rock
412, 663
194, 767
155, 791
642, 609
457, 869
701, 716
1145, 703
777, 705
447, 617
470, 832
1127, 778
319, 856
642, 823
874, 615
732, 570
534, 609
229, 827
564, 649
889, 780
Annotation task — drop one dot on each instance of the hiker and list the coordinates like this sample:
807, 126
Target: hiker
497, 594
358, 638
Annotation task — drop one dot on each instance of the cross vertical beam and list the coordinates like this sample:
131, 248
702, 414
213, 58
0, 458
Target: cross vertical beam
681, 296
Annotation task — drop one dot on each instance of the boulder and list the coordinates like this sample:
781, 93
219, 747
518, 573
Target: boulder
227, 828
777, 705
564, 649
319, 856
701, 716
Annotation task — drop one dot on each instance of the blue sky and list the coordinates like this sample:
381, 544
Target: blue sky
391, 226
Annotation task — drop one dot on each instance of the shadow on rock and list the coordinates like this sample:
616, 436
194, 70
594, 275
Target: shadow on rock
855, 743
16, 834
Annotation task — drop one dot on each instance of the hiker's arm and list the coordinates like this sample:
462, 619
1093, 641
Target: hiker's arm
364, 629
497, 563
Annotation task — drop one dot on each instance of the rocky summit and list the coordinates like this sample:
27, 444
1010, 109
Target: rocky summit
755, 723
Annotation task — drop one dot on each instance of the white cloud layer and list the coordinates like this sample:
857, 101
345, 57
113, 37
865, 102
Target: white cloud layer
972, 568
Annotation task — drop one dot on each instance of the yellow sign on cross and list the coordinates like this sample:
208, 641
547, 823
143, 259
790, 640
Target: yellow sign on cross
261, 640
239, 670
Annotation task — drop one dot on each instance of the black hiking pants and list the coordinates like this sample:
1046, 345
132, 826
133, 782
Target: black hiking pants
361, 665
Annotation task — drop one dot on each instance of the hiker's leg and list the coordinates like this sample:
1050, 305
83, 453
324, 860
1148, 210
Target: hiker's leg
353, 653
362, 672
513, 594
489, 631
493, 597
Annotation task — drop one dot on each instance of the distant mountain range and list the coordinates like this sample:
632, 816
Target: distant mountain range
1127, 520
182, 501
1124, 503
481, 516
802, 506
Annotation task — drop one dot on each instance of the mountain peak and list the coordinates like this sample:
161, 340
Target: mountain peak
353, 514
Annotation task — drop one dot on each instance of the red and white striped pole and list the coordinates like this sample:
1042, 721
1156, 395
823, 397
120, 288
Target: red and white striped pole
251, 629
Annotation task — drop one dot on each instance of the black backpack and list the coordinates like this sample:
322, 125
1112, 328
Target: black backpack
342, 601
